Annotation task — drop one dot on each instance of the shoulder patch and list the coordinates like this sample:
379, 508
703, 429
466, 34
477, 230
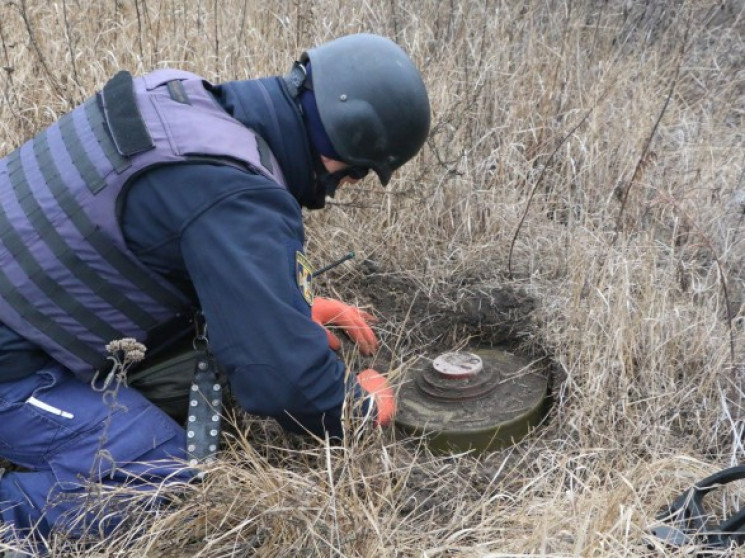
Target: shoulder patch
304, 275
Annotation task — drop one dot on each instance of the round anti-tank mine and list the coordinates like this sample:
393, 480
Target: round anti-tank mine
482, 400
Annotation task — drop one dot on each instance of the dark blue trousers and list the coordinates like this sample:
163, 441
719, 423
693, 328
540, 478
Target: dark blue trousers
65, 435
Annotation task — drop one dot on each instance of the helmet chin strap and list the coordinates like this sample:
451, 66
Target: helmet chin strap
326, 182
329, 181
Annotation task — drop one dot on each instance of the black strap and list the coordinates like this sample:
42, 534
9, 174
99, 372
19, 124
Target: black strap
123, 115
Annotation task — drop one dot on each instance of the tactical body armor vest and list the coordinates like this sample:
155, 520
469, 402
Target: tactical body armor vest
67, 279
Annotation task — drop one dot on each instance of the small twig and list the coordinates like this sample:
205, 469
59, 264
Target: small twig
70, 45
332, 487
9, 69
394, 20
566, 137
240, 38
538, 183
139, 29
643, 157
37, 49
216, 15
736, 382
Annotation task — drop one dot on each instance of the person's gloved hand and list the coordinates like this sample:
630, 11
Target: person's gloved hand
382, 393
353, 321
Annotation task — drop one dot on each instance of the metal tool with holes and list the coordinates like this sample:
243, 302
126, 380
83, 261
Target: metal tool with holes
205, 408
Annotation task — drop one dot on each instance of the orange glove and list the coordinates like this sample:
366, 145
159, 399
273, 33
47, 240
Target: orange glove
382, 393
353, 321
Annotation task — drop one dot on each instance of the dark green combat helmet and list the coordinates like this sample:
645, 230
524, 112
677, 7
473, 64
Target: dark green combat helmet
372, 101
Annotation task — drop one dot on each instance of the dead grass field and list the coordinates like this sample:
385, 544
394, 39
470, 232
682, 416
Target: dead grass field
584, 182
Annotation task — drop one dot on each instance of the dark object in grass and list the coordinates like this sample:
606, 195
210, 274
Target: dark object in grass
689, 524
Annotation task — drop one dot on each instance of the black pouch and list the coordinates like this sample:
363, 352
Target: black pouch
166, 379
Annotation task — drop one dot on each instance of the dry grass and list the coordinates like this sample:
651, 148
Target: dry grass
588, 153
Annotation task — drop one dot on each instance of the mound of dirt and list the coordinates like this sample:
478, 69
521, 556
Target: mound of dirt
483, 314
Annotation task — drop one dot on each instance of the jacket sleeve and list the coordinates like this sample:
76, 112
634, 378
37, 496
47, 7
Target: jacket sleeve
241, 255
234, 237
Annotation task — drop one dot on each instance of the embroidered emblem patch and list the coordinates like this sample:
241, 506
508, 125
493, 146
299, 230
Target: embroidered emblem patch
304, 273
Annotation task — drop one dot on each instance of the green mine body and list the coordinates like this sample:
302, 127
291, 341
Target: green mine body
482, 401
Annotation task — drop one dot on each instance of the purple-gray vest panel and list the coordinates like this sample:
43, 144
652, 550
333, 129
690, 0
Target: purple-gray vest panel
67, 280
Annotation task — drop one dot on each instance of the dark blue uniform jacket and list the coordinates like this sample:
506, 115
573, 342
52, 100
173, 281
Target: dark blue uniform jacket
232, 237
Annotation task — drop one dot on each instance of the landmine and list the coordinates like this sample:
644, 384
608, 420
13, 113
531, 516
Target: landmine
483, 400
